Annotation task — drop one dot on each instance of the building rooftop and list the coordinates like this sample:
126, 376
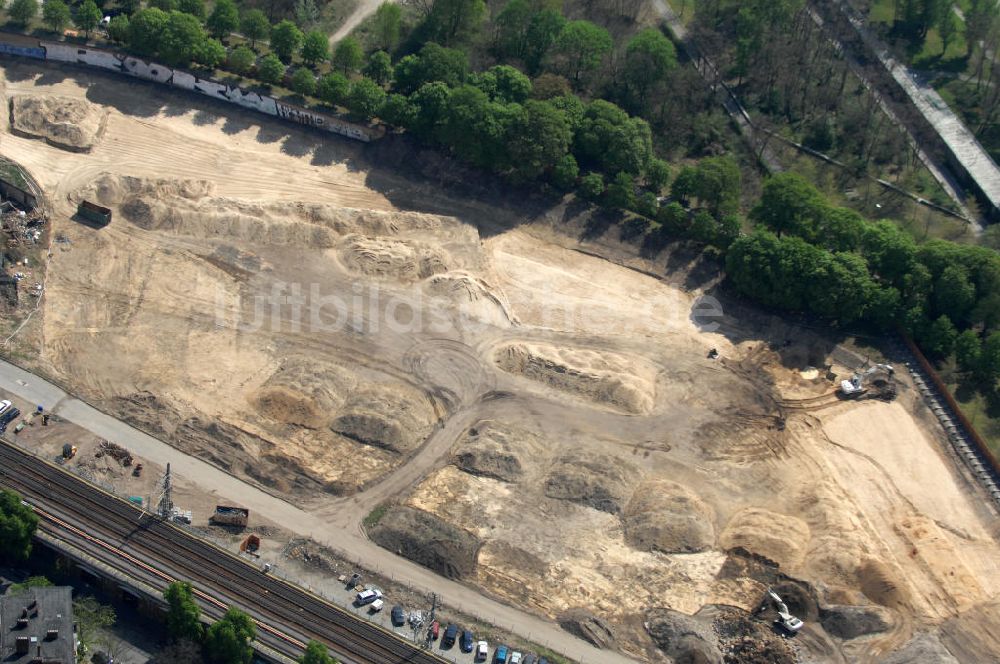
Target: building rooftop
36, 627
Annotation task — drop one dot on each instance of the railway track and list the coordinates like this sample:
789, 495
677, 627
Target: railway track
67, 502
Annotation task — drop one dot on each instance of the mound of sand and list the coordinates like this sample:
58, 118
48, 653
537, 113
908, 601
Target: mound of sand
780, 538
606, 378
742, 438
850, 622
384, 257
500, 451
303, 393
880, 585
599, 481
668, 517
112, 190
395, 417
683, 638
428, 541
472, 295
66, 122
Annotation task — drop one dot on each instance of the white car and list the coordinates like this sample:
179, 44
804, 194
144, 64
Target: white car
368, 596
376, 606
515, 658
4, 405
482, 651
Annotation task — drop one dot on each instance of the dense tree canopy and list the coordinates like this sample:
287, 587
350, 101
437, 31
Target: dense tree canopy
286, 40
225, 18
227, 641
17, 526
183, 613
316, 653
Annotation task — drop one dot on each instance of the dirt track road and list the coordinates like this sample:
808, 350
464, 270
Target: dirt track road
347, 541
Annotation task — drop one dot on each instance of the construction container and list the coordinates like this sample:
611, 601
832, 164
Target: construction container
98, 214
230, 516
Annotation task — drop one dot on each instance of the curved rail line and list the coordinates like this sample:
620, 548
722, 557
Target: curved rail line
200, 562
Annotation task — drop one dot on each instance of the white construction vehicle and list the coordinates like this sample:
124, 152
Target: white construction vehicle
879, 375
785, 620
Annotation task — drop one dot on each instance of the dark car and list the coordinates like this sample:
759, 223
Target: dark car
398, 616
543, 661
466, 642
450, 633
529, 659
9, 416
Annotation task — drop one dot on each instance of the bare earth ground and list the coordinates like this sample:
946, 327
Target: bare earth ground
545, 424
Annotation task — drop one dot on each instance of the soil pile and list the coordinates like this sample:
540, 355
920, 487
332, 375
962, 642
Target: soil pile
682, 637
585, 625
744, 640
303, 393
383, 257
880, 585
396, 418
922, 649
599, 481
497, 450
429, 541
777, 537
850, 622
65, 122
605, 378
474, 296
668, 517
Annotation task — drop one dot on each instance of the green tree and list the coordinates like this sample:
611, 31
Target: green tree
580, 48
333, 88
703, 227
28, 584
475, 128
954, 293
225, 18
88, 16
286, 40
316, 653
183, 613
271, 69
621, 192
166, 5
455, 20
647, 205
209, 53
718, 184
505, 83
118, 28
657, 175
17, 526
386, 26
182, 35
348, 55
306, 13
91, 617
543, 30
379, 68
592, 186
539, 139
241, 59
968, 348
673, 218
228, 640
315, 48
432, 63
612, 141
511, 24
255, 26
789, 204
22, 11
685, 184
365, 98
565, 173
397, 110
194, 7
144, 30
55, 14
304, 82
429, 104
130, 7
649, 57
938, 338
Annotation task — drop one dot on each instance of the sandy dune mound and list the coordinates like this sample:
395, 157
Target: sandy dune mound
112, 190
429, 541
668, 517
594, 480
383, 257
606, 378
472, 295
303, 393
66, 122
500, 451
881, 585
778, 537
742, 438
396, 417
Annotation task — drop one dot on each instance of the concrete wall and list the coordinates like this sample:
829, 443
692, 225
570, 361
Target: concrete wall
179, 78
23, 51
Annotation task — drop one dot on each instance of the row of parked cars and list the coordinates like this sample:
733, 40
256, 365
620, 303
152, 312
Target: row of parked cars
8, 413
467, 643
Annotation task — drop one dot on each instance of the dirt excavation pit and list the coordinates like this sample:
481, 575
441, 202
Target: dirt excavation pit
559, 438
66, 122
608, 379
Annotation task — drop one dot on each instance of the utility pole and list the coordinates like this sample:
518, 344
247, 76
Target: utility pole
166, 506
430, 620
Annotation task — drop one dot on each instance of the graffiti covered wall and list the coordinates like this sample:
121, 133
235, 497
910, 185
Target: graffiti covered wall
179, 78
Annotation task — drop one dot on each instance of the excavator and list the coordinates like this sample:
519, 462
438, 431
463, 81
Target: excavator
878, 375
785, 620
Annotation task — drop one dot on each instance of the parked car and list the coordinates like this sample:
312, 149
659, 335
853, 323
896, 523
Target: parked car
368, 596
515, 657
529, 658
466, 641
482, 651
543, 661
435, 630
500, 656
398, 616
8, 417
450, 634
4, 405
376, 606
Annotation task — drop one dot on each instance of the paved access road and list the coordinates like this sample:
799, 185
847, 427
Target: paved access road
346, 539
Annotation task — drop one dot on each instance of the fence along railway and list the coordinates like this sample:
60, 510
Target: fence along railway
208, 568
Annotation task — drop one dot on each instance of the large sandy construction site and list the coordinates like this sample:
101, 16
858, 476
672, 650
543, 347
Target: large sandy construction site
545, 425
